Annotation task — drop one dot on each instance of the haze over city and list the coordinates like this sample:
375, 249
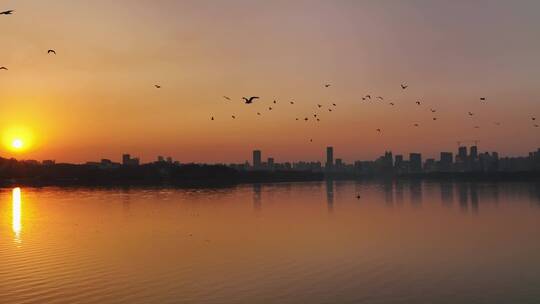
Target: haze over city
97, 97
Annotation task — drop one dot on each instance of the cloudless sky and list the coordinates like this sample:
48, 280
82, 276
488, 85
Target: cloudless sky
95, 98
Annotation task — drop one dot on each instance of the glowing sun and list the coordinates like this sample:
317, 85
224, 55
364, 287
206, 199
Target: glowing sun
17, 144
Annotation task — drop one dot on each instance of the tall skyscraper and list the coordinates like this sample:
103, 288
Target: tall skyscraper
270, 163
415, 160
329, 157
474, 153
462, 154
257, 159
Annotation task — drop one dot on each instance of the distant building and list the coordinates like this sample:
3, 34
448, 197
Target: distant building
339, 163
48, 162
257, 159
462, 154
160, 159
329, 157
128, 161
473, 153
169, 160
415, 162
270, 163
446, 161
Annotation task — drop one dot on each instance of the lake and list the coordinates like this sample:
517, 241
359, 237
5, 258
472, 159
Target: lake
316, 242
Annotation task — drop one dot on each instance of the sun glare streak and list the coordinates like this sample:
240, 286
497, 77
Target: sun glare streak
17, 212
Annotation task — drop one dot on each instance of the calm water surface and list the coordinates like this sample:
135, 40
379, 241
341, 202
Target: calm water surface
406, 242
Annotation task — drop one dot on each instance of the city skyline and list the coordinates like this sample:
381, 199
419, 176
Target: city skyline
99, 96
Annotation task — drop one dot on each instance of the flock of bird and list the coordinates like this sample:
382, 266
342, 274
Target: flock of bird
367, 97
252, 99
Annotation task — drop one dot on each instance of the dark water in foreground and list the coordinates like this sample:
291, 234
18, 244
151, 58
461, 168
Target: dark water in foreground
409, 242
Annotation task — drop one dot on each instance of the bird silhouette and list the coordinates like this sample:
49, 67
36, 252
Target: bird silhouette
329, 110
311, 140
233, 117
433, 110
471, 113
533, 118
318, 119
269, 108
368, 96
335, 105
51, 52
363, 98
7, 12
258, 113
327, 85
297, 118
318, 105
314, 115
306, 119
391, 103
379, 130
476, 127
482, 98
416, 125
157, 86
275, 101
250, 100
434, 118
292, 102
418, 102
404, 86
535, 125
226, 97
212, 118
358, 196
3, 68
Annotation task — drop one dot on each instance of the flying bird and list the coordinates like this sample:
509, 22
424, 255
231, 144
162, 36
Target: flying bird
329, 110
533, 118
258, 113
233, 117
51, 52
269, 108
379, 130
320, 106
311, 140
434, 118
477, 127
471, 113
157, 86
7, 12
358, 196
327, 85
334, 105
212, 118
482, 98
292, 102
404, 86
416, 125
391, 103
368, 96
418, 102
3, 68
318, 119
275, 101
250, 100
226, 97
306, 119
314, 115
535, 125
297, 119
433, 110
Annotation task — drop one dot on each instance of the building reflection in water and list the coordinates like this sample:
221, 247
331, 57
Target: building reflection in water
399, 192
463, 194
16, 214
415, 188
257, 197
388, 193
447, 193
330, 195
474, 197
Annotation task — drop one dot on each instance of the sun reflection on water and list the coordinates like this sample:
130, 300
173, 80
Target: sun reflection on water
16, 216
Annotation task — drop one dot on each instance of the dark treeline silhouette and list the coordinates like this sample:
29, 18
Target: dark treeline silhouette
32, 173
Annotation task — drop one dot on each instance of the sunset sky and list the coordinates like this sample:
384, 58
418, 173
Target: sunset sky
96, 98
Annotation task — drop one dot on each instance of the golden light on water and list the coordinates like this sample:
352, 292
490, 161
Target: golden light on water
16, 213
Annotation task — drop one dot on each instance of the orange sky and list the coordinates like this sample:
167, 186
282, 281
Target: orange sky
96, 99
